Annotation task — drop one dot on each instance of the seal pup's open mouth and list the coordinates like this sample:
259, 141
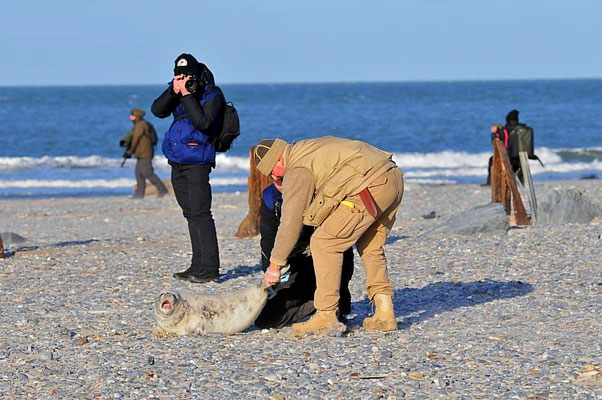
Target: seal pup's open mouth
166, 303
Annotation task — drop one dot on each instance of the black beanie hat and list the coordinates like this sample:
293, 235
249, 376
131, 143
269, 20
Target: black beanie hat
188, 65
512, 116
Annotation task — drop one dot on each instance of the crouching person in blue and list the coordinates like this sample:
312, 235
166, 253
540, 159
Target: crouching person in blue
294, 298
197, 106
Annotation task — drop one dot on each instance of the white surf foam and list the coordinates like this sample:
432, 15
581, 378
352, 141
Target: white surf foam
10, 164
418, 165
62, 183
96, 183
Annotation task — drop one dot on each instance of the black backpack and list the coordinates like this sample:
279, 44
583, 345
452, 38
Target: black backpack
230, 129
222, 142
521, 139
152, 134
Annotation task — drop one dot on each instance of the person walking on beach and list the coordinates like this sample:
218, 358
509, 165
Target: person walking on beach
197, 105
350, 191
294, 298
141, 145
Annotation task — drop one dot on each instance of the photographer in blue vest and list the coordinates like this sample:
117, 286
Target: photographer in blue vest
197, 105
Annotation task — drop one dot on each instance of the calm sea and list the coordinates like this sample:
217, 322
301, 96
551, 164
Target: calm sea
63, 141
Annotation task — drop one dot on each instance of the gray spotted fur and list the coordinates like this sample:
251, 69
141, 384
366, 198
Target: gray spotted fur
197, 313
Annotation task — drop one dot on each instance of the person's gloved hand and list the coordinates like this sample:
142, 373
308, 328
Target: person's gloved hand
272, 275
127, 155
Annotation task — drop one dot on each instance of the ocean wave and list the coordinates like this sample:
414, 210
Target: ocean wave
96, 183
10, 164
534, 166
455, 159
580, 157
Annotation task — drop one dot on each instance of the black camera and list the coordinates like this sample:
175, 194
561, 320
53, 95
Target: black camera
192, 84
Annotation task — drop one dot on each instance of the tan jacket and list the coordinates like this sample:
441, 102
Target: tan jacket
141, 146
340, 167
320, 173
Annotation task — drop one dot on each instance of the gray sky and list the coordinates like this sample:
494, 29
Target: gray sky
75, 42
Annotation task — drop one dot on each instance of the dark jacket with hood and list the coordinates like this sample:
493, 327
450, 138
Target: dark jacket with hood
140, 144
197, 119
294, 299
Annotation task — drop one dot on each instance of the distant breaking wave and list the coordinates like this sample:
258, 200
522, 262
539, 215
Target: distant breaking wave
419, 165
11, 164
97, 183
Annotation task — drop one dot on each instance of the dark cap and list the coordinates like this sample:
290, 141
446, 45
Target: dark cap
138, 113
512, 116
188, 65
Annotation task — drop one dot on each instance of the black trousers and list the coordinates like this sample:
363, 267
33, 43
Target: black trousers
193, 193
295, 299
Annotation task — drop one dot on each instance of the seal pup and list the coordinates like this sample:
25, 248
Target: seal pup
184, 312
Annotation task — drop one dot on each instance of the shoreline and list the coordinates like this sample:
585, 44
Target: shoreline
219, 191
508, 315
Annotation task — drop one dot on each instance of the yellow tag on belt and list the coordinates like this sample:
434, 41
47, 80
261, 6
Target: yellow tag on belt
348, 204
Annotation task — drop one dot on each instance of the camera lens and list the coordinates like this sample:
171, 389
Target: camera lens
192, 84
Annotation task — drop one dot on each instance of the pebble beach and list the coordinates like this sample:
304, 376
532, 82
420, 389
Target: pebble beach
515, 315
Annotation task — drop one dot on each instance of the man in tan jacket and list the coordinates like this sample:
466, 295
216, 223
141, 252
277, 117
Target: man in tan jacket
350, 191
142, 147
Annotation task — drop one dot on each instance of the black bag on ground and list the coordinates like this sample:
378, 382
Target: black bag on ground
151, 133
230, 129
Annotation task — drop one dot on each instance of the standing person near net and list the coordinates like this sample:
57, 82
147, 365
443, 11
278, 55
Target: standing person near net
516, 137
141, 144
350, 191
197, 106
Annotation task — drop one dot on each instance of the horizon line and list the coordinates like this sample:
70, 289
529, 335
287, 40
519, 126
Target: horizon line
454, 80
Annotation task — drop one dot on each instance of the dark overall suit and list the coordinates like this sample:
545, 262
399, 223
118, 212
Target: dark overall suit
294, 299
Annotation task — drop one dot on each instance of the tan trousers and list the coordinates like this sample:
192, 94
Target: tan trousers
347, 226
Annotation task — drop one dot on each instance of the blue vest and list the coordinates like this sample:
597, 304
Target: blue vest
184, 143
270, 196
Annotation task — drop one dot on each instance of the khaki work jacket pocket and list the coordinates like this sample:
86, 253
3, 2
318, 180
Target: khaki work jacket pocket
381, 180
343, 221
319, 209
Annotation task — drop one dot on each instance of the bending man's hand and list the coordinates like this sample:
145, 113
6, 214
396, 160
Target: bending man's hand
272, 275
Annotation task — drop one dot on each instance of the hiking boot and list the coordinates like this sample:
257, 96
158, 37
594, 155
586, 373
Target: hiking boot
201, 276
384, 316
321, 322
183, 274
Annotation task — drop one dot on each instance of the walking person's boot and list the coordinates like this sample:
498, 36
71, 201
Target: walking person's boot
384, 316
320, 322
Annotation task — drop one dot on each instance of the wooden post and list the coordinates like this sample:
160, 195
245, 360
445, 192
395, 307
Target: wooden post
249, 227
1, 248
504, 190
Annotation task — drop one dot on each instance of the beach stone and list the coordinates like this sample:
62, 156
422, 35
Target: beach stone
566, 206
490, 218
482, 316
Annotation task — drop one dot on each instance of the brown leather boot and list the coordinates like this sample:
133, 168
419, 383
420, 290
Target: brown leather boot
384, 316
320, 322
